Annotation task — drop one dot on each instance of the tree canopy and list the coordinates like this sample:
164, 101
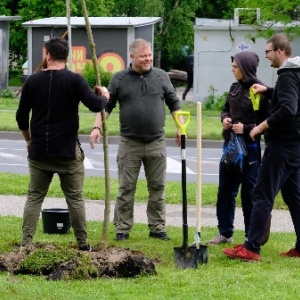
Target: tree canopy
174, 36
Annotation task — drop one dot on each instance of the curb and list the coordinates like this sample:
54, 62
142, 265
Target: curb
114, 140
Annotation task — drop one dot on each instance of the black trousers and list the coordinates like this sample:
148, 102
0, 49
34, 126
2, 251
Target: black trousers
190, 80
280, 170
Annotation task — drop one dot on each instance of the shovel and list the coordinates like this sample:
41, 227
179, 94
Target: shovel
255, 100
185, 256
202, 252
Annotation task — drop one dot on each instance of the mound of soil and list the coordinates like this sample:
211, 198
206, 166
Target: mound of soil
110, 262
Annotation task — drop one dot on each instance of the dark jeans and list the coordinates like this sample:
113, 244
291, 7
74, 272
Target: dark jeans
280, 170
229, 183
190, 80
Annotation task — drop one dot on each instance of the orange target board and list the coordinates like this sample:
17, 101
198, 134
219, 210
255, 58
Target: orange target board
111, 62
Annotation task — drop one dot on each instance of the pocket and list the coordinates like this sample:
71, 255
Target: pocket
122, 148
79, 153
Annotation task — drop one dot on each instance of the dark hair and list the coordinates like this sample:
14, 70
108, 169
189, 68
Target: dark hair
58, 48
282, 42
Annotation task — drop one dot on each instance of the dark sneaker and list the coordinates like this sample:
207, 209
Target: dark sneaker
160, 235
240, 252
122, 236
220, 239
87, 248
291, 253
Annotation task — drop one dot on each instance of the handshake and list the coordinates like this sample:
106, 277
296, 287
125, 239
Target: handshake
102, 90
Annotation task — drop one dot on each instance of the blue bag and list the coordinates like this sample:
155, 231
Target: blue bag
234, 153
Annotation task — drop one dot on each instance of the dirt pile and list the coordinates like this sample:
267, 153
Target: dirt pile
57, 263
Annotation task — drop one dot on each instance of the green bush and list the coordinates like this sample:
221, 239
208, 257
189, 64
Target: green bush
213, 101
89, 74
7, 94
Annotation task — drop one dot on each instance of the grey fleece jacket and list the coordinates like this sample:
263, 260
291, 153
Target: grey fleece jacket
284, 119
142, 99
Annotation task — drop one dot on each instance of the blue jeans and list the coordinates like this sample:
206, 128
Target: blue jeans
229, 183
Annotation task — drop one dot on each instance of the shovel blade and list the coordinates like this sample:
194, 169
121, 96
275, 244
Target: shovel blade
202, 255
186, 257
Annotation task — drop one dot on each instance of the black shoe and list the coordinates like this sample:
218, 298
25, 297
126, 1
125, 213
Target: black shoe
160, 235
87, 248
122, 236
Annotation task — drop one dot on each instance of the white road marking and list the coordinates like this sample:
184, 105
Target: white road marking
88, 164
173, 166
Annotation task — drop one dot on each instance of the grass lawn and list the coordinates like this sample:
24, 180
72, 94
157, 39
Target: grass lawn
211, 125
274, 277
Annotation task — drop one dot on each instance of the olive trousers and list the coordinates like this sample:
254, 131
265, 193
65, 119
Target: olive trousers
71, 175
132, 154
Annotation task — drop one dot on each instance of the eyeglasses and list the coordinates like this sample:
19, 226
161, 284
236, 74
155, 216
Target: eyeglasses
267, 51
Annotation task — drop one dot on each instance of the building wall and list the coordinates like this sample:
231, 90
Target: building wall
4, 64
214, 46
111, 45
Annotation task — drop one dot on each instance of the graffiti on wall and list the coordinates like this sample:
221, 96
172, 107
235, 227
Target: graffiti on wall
109, 61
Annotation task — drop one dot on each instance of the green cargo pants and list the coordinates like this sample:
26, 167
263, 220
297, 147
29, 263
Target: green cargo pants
131, 155
71, 175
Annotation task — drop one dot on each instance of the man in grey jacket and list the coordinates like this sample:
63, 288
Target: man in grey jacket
142, 92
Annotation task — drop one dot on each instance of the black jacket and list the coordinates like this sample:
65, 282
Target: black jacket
284, 119
238, 105
51, 99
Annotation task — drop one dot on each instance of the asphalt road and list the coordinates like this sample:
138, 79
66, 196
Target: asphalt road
13, 158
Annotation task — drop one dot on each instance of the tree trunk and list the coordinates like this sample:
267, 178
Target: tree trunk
106, 221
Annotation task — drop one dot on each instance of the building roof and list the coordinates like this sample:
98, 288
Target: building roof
94, 21
217, 23
9, 18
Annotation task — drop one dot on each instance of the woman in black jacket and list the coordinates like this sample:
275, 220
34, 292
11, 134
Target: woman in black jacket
238, 116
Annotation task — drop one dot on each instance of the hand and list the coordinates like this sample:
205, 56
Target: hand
102, 90
258, 88
259, 129
238, 128
28, 145
254, 132
227, 123
95, 136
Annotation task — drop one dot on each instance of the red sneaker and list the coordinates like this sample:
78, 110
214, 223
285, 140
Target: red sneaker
240, 252
291, 253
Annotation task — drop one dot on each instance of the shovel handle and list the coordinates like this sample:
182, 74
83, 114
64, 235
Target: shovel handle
184, 126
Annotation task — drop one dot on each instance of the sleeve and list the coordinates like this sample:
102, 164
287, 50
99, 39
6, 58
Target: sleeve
286, 90
113, 99
88, 97
264, 108
226, 109
171, 98
24, 108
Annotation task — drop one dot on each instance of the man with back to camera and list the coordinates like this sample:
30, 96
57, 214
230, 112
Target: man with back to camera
280, 167
52, 97
142, 92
